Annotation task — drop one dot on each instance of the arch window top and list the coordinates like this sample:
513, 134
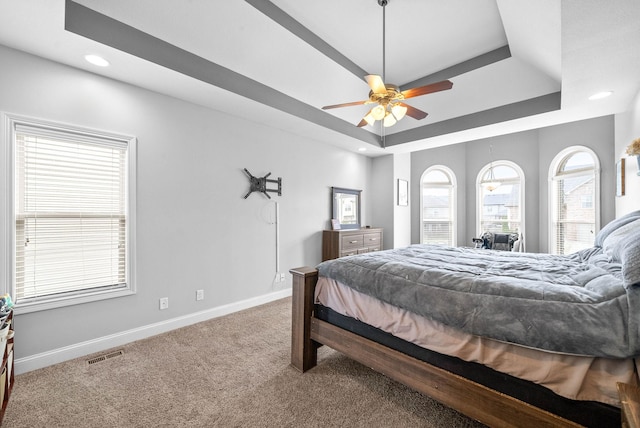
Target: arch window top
577, 161
436, 176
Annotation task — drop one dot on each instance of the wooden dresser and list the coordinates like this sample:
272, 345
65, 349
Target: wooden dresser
347, 242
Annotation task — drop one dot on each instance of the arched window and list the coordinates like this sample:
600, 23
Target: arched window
438, 202
500, 206
574, 192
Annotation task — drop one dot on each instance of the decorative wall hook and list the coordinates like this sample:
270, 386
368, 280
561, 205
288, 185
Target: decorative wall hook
259, 184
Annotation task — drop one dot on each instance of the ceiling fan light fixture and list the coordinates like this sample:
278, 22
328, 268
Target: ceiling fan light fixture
388, 98
389, 120
370, 119
378, 112
398, 111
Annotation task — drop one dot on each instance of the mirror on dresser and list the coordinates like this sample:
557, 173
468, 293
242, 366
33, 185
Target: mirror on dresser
345, 205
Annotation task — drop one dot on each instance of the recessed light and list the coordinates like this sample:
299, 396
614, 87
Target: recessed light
97, 60
600, 95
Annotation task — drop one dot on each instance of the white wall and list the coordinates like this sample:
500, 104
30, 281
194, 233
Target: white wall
533, 151
628, 129
194, 229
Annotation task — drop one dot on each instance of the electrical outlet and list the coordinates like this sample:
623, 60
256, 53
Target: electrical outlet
199, 294
282, 277
164, 303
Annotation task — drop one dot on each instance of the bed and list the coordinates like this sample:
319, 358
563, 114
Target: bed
507, 338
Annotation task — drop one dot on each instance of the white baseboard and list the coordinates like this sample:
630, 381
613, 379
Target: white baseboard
44, 359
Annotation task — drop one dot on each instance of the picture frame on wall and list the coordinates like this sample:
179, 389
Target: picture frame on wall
620, 177
403, 192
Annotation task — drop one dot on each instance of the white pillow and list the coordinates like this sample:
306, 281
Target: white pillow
621, 239
613, 225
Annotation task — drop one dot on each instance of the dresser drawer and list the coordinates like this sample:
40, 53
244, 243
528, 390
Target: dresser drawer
372, 239
341, 243
352, 241
350, 252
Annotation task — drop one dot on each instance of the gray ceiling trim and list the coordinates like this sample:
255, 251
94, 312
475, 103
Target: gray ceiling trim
530, 107
281, 17
93, 25
475, 63
88, 23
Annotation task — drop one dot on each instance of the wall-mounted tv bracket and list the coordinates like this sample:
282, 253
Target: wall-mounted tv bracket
259, 184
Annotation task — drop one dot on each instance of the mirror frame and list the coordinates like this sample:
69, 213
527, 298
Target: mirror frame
335, 192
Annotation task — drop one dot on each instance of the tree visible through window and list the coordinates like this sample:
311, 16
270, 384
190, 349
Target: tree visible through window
438, 206
574, 187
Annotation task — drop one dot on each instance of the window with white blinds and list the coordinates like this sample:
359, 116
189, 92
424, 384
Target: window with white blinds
72, 213
438, 206
574, 189
500, 190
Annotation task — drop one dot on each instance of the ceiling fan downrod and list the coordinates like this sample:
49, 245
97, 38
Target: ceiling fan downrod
383, 3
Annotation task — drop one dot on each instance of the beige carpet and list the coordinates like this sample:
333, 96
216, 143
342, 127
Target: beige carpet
231, 371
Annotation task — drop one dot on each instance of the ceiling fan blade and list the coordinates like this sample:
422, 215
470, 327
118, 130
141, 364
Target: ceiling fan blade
414, 112
355, 103
427, 89
376, 84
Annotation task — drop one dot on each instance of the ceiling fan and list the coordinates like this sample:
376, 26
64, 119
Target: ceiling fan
390, 107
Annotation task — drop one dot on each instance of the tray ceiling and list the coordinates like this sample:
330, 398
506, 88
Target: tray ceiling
514, 65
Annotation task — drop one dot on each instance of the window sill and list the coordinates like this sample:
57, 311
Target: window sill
63, 301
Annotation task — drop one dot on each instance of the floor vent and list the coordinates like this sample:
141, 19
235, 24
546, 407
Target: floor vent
105, 357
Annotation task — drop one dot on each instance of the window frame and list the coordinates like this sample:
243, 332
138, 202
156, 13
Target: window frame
554, 166
8, 210
453, 185
479, 205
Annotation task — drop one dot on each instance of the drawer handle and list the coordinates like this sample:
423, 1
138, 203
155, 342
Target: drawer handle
353, 242
373, 239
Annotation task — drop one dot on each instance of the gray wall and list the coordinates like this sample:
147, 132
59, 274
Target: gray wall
455, 158
386, 213
195, 230
382, 198
533, 151
598, 135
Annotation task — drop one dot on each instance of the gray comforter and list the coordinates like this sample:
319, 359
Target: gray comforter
585, 303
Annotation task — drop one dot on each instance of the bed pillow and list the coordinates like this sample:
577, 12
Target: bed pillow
614, 225
620, 240
631, 265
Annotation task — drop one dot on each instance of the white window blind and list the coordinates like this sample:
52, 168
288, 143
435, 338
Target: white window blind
438, 196
71, 212
573, 195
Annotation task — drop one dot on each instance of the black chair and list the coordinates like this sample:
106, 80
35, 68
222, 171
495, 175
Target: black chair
499, 241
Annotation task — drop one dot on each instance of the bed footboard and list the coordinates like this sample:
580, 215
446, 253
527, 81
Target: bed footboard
304, 351
484, 404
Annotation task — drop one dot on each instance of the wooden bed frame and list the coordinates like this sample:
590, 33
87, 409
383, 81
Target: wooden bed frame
477, 401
